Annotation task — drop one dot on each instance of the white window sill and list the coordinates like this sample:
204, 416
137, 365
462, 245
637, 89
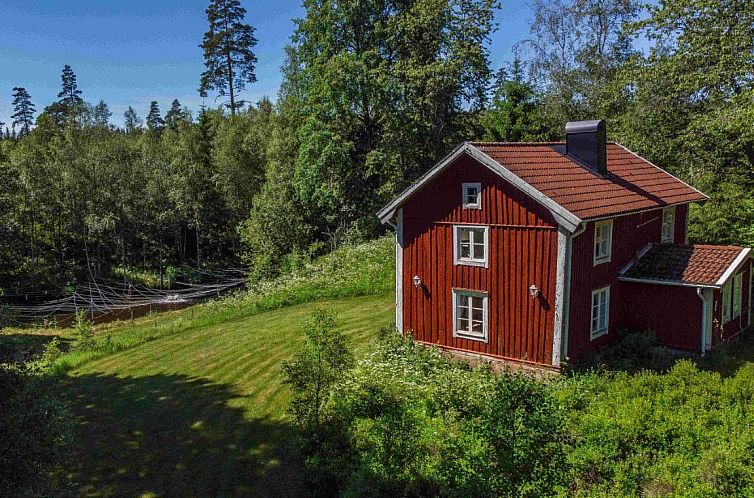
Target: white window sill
597, 334
470, 262
472, 206
601, 261
466, 335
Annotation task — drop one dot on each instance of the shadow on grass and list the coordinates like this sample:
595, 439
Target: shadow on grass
173, 435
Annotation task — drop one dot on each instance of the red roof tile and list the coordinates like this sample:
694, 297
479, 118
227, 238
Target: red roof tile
684, 264
632, 183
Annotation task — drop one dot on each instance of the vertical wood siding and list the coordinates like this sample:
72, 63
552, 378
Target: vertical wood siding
631, 233
522, 251
673, 313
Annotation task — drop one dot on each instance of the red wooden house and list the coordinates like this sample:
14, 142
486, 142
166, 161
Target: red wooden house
539, 252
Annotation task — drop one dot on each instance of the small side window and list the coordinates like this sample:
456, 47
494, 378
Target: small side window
726, 302
668, 225
600, 312
737, 294
471, 195
603, 240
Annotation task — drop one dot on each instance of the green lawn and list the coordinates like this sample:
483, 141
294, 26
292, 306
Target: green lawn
199, 411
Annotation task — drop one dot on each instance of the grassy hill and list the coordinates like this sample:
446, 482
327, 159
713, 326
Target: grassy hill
200, 412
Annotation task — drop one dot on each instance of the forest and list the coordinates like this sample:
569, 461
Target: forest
374, 93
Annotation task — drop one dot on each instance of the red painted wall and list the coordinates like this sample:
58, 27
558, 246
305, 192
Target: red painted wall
631, 233
673, 313
522, 251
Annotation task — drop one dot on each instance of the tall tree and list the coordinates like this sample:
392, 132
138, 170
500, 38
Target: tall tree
577, 48
23, 110
227, 48
154, 119
382, 90
516, 114
175, 115
101, 114
131, 120
70, 95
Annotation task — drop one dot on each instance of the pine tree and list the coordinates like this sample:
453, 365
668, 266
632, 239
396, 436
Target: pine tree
175, 115
131, 120
154, 120
101, 114
23, 110
70, 95
227, 48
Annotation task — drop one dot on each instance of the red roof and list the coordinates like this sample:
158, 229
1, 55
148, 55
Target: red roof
632, 183
684, 264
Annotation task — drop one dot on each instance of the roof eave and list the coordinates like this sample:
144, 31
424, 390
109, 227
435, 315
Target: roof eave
562, 216
745, 253
674, 283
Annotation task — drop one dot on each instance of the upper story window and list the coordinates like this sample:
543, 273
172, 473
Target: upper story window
470, 245
668, 225
737, 294
603, 241
726, 302
600, 312
472, 195
470, 314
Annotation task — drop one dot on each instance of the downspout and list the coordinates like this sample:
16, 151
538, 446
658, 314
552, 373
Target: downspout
700, 293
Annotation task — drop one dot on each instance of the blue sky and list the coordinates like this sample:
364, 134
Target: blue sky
130, 52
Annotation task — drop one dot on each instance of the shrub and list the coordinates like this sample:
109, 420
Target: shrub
408, 421
33, 429
83, 333
316, 368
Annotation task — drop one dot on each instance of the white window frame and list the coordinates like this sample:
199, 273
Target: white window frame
467, 334
471, 205
457, 260
738, 291
594, 333
726, 298
669, 227
599, 259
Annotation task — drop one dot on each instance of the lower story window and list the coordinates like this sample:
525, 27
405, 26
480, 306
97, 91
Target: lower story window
600, 312
470, 314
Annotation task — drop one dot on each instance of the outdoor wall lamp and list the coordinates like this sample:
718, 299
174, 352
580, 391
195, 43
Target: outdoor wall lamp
417, 281
533, 291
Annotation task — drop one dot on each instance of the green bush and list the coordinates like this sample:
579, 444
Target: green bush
684, 433
408, 421
33, 429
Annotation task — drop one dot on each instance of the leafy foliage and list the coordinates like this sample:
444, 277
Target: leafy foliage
407, 421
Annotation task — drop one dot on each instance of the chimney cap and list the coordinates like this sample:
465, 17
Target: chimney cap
590, 126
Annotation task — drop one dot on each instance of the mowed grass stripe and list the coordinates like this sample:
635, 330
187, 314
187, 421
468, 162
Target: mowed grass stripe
200, 411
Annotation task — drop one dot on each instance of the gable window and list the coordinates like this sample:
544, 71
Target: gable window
470, 314
472, 195
668, 225
726, 303
603, 240
600, 312
737, 291
470, 245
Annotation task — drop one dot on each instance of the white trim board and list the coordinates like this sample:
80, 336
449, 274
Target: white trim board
733, 268
399, 271
674, 283
560, 293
